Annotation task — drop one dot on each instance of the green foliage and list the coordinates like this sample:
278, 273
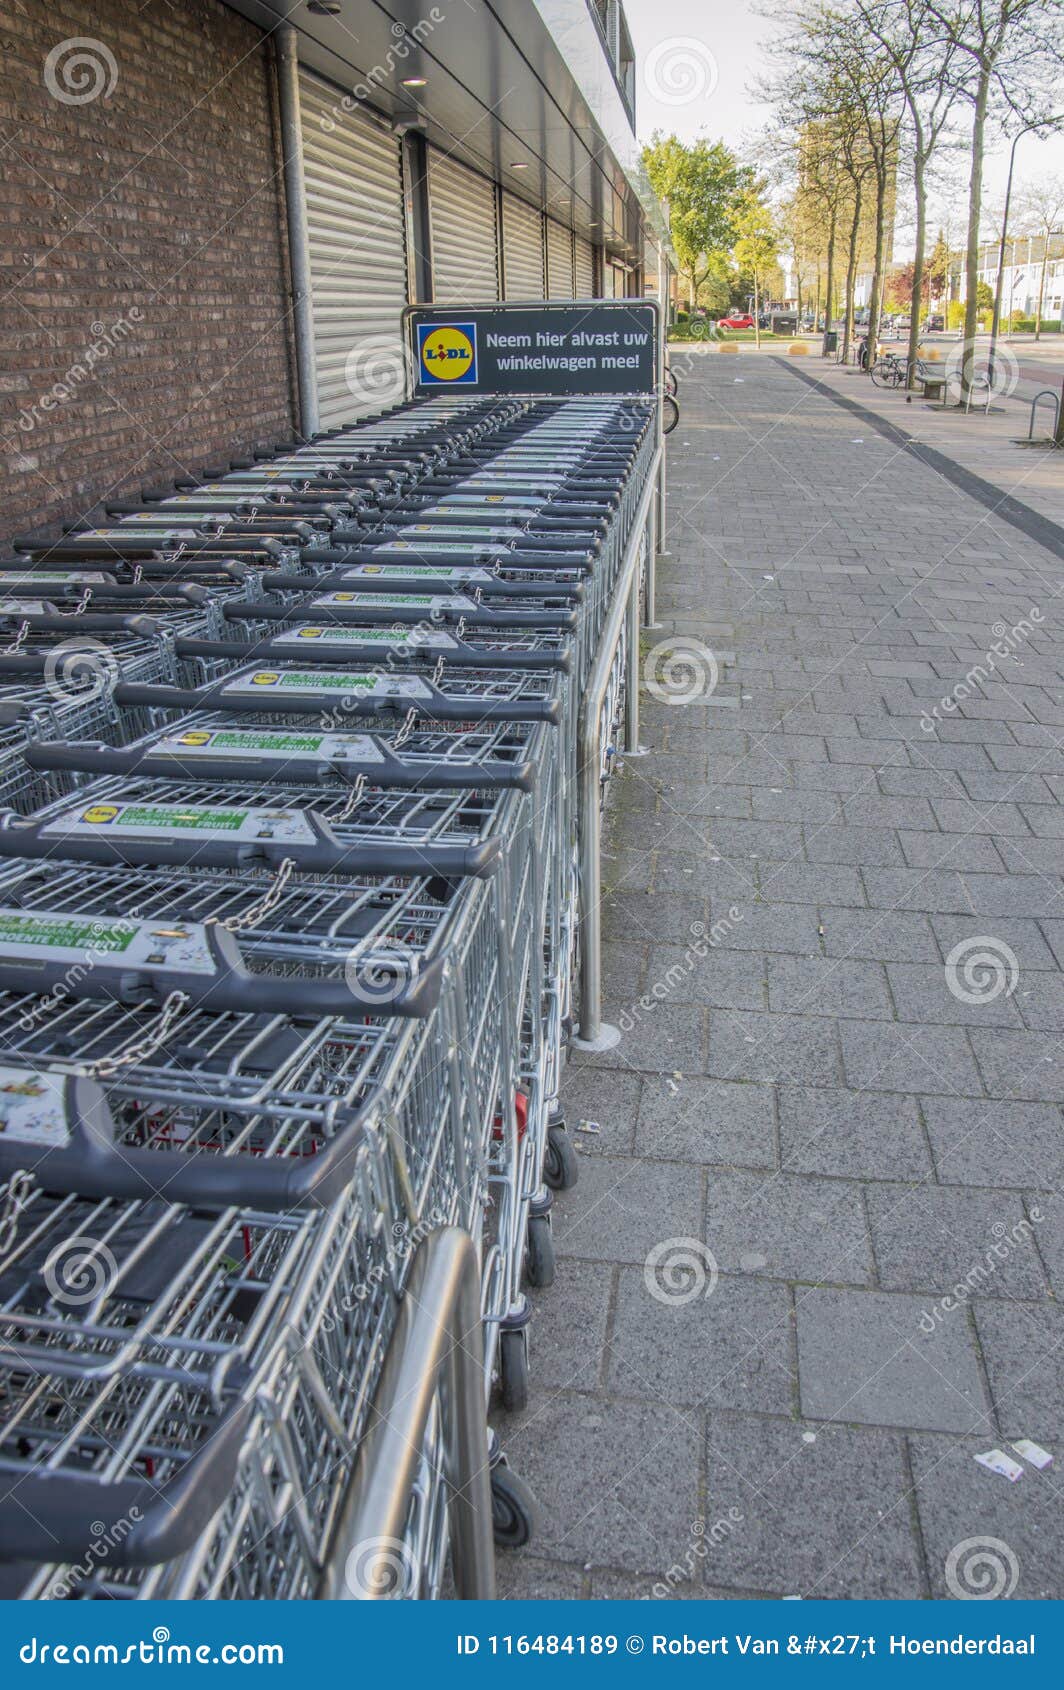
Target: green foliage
984, 296
704, 184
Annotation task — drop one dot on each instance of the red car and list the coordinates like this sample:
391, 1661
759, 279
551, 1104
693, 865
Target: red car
740, 321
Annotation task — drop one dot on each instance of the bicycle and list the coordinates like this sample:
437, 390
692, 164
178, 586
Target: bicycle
892, 371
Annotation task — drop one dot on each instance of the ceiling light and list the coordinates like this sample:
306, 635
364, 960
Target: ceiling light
519, 167
414, 81
324, 8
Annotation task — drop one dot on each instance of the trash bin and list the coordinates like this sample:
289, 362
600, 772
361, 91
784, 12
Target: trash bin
831, 343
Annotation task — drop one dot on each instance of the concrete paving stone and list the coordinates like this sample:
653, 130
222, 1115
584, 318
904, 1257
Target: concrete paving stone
773, 804
964, 816
730, 979
844, 778
702, 1340
917, 889
715, 800
1025, 938
568, 1331
807, 883
622, 1475
887, 935
819, 1519
828, 986
623, 967
1021, 1065
1023, 1350
1045, 821
1012, 894
928, 992
992, 787
767, 764
977, 1142
1045, 1210
634, 917
683, 871
756, 839
1040, 1000
972, 851
698, 1120
880, 1056
765, 927
858, 1135
787, 1226
622, 1207
881, 1359
859, 845
679, 1583
746, 1045
901, 781
932, 1238
609, 1096
1033, 856
656, 1037
522, 1576
877, 752
961, 1506
869, 809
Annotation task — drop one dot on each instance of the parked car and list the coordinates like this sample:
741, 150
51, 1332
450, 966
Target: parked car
739, 320
934, 324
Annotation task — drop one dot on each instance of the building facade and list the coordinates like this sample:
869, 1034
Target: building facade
215, 213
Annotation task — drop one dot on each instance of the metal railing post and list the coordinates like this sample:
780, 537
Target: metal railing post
435, 1350
631, 691
593, 1035
298, 235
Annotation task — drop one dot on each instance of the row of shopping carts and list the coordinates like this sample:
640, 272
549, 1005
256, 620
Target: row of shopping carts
287, 895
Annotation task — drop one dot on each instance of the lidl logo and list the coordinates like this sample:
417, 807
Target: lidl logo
99, 814
447, 352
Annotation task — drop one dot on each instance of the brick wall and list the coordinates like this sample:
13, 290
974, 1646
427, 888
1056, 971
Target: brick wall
144, 323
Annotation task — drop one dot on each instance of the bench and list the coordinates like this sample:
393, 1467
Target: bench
935, 388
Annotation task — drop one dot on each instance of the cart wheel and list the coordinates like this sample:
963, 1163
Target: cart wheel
513, 1370
539, 1256
513, 1509
560, 1167
670, 413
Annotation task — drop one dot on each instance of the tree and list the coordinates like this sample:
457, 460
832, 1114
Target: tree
1042, 209
703, 184
757, 247
1005, 53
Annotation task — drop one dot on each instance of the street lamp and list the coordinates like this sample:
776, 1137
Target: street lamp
995, 321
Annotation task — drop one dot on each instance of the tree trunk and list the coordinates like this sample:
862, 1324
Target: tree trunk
757, 313
877, 261
920, 189
829, 280
971, 251
1041, 289
851, 271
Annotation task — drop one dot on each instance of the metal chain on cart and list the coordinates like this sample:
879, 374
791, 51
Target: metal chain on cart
144, 1046
14, 1201
259, 911
405, 731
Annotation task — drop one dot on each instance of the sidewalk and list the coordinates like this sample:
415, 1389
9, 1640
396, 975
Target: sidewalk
811, 1266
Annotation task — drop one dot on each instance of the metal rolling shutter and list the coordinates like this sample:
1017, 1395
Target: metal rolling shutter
585, 269
559, 261
465, 263
522, 249
354, 192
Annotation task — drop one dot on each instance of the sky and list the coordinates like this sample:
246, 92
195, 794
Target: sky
698, 61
